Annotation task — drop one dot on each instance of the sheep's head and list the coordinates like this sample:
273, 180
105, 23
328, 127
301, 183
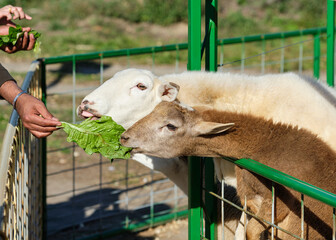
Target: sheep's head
171, 130
127, 97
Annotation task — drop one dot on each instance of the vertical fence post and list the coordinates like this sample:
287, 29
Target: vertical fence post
330, 41
44, 157
194, 169
317, 56
211, 26
210, 65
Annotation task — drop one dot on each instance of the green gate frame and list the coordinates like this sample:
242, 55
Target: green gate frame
195, 169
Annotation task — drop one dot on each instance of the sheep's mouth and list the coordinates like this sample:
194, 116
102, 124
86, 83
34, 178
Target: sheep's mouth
88, 113
135, 150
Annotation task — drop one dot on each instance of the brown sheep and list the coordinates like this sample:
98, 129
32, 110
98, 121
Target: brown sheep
172, 130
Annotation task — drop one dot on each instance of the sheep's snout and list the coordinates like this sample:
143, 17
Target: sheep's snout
84, 110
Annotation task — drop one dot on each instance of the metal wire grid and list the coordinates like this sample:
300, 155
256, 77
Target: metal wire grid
106, 205
274, 227
21, 213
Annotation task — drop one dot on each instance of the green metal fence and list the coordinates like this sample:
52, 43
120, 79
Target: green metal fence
311, 55
196, 230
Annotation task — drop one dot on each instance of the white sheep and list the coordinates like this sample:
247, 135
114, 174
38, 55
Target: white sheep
288, 98
172, 130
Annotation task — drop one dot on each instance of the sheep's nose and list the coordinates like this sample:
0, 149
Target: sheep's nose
123, 138
85, 102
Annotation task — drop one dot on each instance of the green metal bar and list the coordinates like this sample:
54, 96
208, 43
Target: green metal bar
211, 65
194, 198
272, 36
182, 46
194, 35
116, 53
317, 55
330, 41
210, 200
288, 181
211, 25
194, 169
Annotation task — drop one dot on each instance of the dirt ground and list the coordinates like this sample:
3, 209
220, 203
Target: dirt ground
176, 230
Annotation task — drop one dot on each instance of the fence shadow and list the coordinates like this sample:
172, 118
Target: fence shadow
94, 211
82, 67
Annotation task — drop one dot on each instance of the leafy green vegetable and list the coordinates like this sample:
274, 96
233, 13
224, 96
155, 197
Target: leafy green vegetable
14, 33
98, 136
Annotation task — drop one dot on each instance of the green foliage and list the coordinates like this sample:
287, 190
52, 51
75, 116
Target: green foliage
14, 34
236, 24
98, 136
165, 12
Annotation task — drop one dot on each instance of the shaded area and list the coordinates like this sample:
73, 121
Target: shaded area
82, 67
95, 212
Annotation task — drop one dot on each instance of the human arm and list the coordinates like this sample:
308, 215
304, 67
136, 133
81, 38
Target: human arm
33, 113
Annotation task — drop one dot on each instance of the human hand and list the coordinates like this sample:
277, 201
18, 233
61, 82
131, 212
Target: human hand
35, 116
10, 12
27, 41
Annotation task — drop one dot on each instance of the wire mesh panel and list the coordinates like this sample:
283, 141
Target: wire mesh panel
21, 175
89, 196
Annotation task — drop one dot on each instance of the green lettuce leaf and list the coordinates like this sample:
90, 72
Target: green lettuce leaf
14, 33
98, 136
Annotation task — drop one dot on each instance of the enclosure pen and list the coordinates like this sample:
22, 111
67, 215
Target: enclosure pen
136, 198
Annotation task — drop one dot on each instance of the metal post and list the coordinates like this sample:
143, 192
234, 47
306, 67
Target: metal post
330, 41
44, 157
317, 56
211, 26
194, 172
210, 65
194, 35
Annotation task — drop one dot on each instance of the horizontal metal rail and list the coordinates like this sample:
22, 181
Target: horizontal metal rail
181, 46
288, 181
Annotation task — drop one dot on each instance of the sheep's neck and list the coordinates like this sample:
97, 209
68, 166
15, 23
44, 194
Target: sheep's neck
250, 137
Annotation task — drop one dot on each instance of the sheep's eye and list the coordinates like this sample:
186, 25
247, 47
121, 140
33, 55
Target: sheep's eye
141, 86
171, 127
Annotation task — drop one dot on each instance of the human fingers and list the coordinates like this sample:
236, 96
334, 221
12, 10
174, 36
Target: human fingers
22, 42
39, 126
40, 134
31, 42
33, 125
19, 13
9, 49
39, 123
5, 12
26, 29
6, 15
43, 111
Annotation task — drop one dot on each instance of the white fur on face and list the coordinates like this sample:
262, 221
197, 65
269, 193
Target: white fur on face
127, 97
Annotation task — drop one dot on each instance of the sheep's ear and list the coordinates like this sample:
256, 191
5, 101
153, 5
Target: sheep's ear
168, 91
210, 128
